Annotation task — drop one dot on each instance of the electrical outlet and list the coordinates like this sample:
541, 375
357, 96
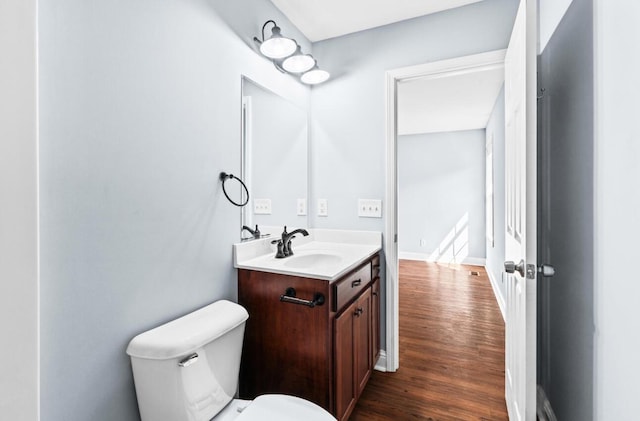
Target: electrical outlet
262, 206
302, 207
369, 208
423, 242
323, 207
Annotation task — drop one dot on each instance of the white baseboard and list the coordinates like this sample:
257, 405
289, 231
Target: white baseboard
381, 365
474, 261
496, 291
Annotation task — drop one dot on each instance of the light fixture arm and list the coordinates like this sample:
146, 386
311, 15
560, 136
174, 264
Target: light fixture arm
265, 26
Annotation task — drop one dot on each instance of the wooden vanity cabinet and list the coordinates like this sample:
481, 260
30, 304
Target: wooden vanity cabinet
323, 353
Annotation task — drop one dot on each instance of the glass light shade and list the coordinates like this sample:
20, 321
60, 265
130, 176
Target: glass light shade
278, 46
315, 76
298, 62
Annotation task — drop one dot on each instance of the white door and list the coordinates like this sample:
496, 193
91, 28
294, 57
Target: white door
520, 217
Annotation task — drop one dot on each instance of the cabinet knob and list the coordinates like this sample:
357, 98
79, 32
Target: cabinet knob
359, 311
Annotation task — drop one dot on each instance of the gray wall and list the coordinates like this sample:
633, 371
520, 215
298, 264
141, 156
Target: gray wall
139, 113
495, 251
566, 196
441, 212
348, 112
617, 193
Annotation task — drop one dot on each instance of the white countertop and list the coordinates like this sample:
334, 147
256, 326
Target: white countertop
323, 254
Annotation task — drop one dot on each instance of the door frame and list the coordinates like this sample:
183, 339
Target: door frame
435, 70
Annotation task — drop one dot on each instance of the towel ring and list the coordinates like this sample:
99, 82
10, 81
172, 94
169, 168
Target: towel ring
224, 177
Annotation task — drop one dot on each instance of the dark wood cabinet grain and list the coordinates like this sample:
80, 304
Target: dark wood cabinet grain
323, 353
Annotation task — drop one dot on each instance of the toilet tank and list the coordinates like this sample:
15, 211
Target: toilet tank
187, 369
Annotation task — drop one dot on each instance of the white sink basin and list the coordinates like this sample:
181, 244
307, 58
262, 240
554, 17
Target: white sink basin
308, 261
323, 254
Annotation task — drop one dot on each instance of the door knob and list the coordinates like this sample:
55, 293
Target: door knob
511, 267
546, 270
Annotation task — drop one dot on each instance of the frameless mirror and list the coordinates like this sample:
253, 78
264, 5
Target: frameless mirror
274, 158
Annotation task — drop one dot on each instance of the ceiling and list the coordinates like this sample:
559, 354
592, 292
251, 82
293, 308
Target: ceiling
445, 104
323, 19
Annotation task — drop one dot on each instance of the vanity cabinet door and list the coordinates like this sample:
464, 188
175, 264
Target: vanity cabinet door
345, 388
362, 341
352, 353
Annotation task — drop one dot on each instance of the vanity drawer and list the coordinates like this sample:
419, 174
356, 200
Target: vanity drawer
350, 286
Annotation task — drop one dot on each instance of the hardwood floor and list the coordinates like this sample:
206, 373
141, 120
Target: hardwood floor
451, 350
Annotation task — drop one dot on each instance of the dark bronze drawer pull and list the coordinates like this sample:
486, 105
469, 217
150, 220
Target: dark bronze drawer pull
289, 296
356, 283
375, 293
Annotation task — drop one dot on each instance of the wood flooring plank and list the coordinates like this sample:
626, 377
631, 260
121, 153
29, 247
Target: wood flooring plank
451, 350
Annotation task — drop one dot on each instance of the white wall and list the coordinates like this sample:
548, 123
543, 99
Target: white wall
441, 194
617, 184
18, 212
140, 111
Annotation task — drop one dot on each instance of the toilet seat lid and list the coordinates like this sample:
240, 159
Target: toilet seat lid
283, 408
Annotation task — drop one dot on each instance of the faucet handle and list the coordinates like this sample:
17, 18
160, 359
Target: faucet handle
280, 246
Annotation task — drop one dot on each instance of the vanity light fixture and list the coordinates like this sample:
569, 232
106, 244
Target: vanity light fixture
287, 56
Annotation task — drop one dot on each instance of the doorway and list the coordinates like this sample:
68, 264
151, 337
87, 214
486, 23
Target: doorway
437, 70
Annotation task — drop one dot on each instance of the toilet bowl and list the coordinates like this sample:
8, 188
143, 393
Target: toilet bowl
273, 408
187, 370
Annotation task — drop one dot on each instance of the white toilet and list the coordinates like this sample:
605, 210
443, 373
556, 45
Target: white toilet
187, 370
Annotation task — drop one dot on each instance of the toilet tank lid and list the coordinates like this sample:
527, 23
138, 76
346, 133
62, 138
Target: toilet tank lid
188, 333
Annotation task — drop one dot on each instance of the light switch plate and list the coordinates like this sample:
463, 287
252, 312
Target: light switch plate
302, 207
323, 207
262, 206
369, 208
